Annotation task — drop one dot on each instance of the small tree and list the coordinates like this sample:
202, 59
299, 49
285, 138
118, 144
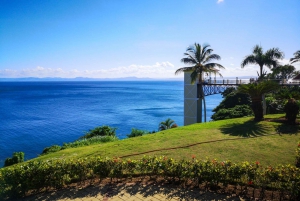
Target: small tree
256, 90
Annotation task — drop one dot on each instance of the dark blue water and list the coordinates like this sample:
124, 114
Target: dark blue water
35, 115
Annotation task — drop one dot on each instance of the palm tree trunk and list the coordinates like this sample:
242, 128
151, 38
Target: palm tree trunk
257, 108
204, 104
264, 104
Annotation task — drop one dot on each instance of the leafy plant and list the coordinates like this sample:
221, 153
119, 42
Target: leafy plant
100, 131
17, 157
51, 149
136, 132
235, 112
169, 123
256, 90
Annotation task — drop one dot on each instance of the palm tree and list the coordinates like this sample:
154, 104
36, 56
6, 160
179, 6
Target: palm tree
169, 123
200, 57
256, 90
296, 58
269, 58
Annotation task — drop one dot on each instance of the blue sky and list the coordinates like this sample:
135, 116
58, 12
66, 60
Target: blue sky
118, 38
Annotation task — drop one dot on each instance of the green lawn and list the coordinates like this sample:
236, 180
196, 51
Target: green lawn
270, 142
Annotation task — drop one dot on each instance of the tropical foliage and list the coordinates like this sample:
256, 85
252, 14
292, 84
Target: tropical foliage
233, 105
283, 72
234, 112
169, 123
269, 58
256, 90
296, 57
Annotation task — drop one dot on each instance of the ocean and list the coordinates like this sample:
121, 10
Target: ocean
35, 115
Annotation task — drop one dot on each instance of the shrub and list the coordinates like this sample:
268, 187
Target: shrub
17, 157
52, 149
235, 112
100, 131
136, 132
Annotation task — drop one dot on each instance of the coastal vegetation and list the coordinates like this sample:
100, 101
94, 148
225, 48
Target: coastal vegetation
233, 105
235, 151
169, 123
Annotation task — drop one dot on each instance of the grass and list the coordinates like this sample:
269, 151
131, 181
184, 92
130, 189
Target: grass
271, 142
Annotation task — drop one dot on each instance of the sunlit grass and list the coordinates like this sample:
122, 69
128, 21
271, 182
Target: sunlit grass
234, 139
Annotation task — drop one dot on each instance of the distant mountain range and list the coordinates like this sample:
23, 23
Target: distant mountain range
86, 79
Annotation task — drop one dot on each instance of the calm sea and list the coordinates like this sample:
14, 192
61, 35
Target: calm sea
35, 115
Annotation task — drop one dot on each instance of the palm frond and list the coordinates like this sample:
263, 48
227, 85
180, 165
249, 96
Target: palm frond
183, 69
296, 57
250, 59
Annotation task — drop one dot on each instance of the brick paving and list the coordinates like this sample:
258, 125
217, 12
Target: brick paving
131, 192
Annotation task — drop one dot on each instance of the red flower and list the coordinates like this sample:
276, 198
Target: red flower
299, 145
257, 162
250, 182
193, 156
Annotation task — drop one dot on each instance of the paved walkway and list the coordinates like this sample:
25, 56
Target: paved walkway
131, 192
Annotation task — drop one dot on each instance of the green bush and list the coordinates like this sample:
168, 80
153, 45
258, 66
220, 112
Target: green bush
52, 149
136, 132
235, 112
100, 131
17, 157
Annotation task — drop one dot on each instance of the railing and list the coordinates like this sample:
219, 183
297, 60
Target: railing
238, 81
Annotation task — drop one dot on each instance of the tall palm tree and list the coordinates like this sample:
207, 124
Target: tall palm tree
169, 123
200, 58
256, 90
269, 58
296, 58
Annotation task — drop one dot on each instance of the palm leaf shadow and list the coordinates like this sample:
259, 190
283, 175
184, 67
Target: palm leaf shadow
248, 129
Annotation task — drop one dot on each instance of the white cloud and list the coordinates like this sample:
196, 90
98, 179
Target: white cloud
157, 70
220, 1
